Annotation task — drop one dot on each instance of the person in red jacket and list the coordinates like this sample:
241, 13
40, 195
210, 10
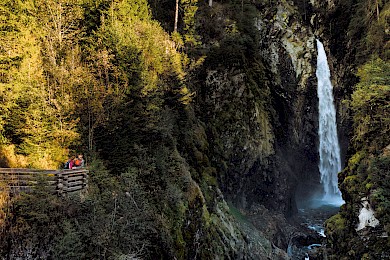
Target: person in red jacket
79, 162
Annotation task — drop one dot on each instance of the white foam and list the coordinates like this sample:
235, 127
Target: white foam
333, 201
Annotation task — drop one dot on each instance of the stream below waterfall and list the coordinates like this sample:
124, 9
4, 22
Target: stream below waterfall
311, 219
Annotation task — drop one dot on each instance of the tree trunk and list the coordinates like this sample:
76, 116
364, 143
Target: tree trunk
377, 10
176, 15
210, 3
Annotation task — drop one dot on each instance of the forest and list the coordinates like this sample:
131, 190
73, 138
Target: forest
130, 84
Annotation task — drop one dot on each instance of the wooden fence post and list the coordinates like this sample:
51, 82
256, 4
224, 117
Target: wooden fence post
60, 185
65, 182
85, 181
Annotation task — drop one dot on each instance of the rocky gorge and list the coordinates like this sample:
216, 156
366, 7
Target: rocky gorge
212, 151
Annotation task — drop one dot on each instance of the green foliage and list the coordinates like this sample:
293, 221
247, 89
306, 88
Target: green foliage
368, 176
367, 172
69, 245
380, 184
190, 8
367, 28
130, 10
64, 78
164, 12
29, 213
113, 219
134, 64
355, 159
11, 57
370, 104
335, 224
231, 33
38, 114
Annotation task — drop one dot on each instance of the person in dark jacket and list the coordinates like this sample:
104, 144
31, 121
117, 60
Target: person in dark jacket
70, 163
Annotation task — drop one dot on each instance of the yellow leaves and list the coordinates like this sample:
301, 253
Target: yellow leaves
46, 159
131, 9
354, 161
186, 95
178, 40
156, 47
197, 63
10, 158
156, 51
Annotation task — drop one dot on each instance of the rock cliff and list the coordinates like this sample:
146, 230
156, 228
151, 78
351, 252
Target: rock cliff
261, 121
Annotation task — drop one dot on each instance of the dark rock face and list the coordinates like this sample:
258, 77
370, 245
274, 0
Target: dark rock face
263, 130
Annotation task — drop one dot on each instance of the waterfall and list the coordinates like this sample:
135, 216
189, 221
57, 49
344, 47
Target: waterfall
329, 150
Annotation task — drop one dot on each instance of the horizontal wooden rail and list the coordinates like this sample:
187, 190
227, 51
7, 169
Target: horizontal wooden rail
61, 181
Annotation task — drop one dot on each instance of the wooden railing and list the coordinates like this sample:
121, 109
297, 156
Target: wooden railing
58, 181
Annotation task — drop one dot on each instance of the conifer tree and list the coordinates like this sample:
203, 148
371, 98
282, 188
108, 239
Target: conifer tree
44, 80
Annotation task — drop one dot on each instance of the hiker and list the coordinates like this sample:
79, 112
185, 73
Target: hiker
79, 162
69, 164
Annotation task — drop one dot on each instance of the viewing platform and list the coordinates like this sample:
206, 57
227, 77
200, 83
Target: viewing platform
60, 182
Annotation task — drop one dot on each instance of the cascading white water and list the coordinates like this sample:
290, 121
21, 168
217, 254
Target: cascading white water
329, 150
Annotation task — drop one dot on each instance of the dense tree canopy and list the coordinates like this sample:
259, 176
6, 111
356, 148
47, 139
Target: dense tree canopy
67, 64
